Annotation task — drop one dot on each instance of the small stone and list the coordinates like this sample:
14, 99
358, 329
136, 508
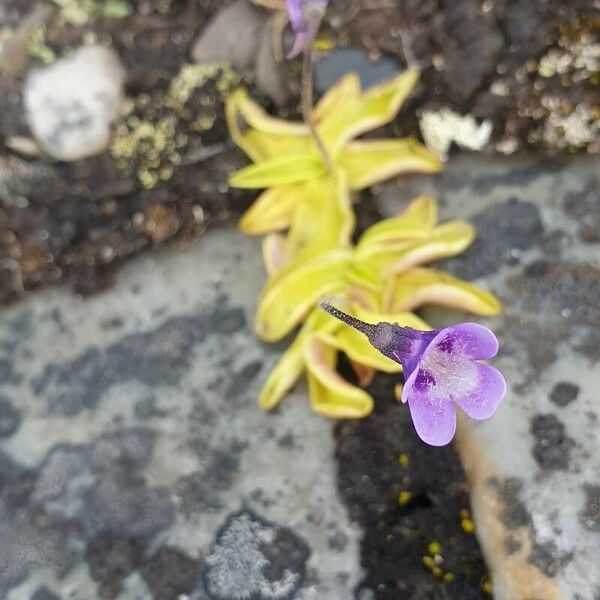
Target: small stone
71, 104
331, 68
232, 36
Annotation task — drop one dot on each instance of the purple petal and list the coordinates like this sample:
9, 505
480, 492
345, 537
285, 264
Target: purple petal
483, 401
469, 339
434, 420
295, 13
300, 42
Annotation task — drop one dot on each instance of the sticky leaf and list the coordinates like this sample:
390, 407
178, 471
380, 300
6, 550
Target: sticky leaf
330, 394
278, 171
272, 211
372, 109
369, 162
417, 221
295, 289
324, 218
412, 289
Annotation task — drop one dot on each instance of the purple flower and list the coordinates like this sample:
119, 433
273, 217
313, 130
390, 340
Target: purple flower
305, 17
441, 368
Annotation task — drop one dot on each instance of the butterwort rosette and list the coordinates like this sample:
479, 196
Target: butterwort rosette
442, 369
305, 17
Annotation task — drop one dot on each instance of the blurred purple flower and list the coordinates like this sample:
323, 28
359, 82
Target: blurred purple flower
441, 369
305, 17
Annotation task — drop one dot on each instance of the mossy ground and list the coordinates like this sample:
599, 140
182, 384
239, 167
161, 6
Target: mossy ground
170, 155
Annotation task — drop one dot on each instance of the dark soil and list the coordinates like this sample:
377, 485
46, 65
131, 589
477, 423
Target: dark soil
77, 223
408, 497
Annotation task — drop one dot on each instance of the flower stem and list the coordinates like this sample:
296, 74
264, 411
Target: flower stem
307, 106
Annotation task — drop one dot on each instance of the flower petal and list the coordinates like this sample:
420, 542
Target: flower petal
369, 162
330, 394
434, 421
482, 402
470, 340
301, 39
295, 13
414, 288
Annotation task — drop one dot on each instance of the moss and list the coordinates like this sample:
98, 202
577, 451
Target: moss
159, 129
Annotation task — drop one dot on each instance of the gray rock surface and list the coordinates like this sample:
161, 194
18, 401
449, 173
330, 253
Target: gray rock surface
330, 68
134, 460
71, 104
535, 466
134, 463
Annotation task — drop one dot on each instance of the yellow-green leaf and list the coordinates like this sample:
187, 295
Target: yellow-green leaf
274, 252
278, 171
260, 135
357, 347
372, 161
294, 290
283, 377
323, 218
417, 287
272, 210
395, 256
345, 90
417, 221
447, 240
372, 109
290, 366
330, 394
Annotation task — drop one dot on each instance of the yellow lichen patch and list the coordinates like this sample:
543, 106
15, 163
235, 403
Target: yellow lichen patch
434, 548
466, 522
404, 497
404, 459
433, 561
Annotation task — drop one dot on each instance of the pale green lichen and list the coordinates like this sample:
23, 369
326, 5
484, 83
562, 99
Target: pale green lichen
78, 12
37, 47
153, 136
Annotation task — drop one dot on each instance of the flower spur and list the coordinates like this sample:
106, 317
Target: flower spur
441, 368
